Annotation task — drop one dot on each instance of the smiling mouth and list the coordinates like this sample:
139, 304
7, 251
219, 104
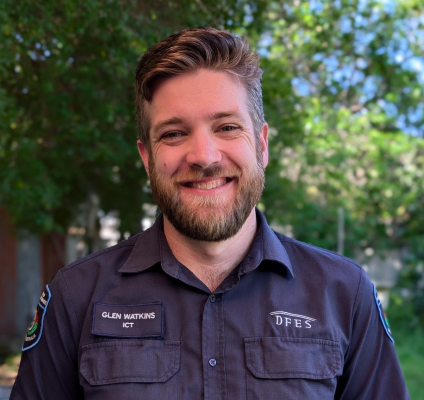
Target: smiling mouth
207, 185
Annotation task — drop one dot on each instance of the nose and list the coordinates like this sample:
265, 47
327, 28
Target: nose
203, 150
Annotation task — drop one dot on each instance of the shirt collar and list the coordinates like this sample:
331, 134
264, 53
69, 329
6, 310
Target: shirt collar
146, 250
151, 248
266, 246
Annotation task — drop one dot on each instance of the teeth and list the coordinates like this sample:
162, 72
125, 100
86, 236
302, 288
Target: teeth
207, 185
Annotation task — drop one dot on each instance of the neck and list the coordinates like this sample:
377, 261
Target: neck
211, 262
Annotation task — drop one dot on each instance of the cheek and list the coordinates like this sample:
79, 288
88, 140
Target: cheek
168, 162
241, 155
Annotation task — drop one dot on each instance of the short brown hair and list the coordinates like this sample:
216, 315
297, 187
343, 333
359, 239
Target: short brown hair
193, 49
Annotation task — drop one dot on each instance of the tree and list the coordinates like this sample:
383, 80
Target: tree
68, 129
341, 87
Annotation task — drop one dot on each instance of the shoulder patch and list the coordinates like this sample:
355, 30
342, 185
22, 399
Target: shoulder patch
36, 329
382, 315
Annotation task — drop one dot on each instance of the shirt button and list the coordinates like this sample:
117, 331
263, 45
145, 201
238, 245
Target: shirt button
212, 362
212, 298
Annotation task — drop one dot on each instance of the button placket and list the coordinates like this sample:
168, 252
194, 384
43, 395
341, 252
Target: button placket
213, 349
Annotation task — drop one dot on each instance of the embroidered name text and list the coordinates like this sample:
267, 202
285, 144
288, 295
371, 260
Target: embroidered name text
128, 316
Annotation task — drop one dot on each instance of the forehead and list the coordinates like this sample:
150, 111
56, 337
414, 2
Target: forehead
195, 95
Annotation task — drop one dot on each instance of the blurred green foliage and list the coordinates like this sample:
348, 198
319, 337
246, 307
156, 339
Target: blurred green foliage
339, 138
67, 106
407, 298
341, 87
409, 346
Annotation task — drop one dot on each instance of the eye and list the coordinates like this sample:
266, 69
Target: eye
171, 135
172, 138
229, 128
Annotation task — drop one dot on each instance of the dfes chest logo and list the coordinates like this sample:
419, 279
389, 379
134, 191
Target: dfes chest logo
287, 319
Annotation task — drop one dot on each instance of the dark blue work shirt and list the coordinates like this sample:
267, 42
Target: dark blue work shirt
291, 322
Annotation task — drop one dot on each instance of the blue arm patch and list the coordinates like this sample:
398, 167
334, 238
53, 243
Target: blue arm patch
382, 315
35, 331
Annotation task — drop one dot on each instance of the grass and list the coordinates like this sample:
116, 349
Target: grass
409, 344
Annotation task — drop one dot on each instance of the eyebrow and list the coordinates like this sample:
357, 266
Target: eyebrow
226, 114
166, 122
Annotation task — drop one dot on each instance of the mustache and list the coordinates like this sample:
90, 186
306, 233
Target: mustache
213, 171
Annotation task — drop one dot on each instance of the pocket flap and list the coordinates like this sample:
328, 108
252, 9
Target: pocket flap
130, 361
282, 357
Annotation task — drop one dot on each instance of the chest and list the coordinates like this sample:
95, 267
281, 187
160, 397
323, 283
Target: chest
265, 337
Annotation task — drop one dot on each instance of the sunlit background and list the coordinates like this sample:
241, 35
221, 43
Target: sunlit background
343, 92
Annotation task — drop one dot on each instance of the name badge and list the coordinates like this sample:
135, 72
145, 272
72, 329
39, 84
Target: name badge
139, 320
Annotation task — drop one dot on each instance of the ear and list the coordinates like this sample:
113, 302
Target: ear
263, 137
144, 154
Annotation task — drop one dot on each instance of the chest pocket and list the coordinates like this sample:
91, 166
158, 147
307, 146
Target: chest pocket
291, 368
129, 361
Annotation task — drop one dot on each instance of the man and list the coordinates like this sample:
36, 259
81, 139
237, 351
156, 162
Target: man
209, 303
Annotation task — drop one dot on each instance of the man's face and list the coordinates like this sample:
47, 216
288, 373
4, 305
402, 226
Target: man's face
205, 165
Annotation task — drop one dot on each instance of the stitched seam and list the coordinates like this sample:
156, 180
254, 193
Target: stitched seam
325, 342
321, 250
353, 310
95, 255
289, 372
72, 304
115, 343
171, 369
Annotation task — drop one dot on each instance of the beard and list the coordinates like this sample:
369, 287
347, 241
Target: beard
208, 218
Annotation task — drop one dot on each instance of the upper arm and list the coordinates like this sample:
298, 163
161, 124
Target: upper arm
49, 368
371, 368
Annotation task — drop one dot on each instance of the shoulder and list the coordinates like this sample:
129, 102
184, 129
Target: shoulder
73, 287
111, 256
84, 274
316, 256
323, 271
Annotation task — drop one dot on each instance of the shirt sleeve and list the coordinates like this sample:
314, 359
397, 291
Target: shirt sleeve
48, 367
371, 369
